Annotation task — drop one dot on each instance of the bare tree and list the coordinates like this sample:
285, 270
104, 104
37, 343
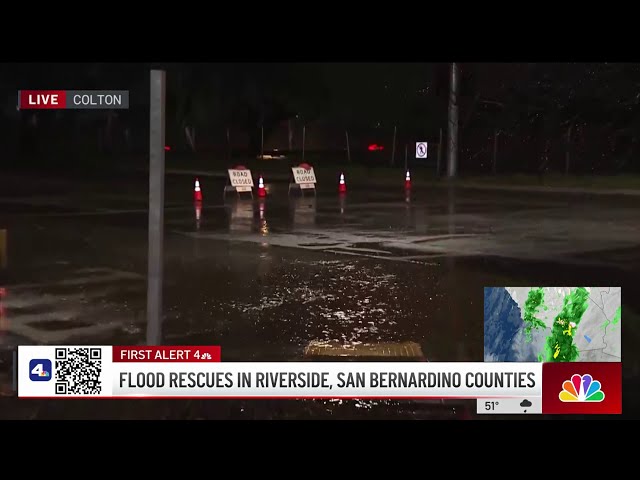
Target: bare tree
452, 151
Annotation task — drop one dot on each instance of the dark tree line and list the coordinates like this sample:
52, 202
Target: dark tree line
524, 117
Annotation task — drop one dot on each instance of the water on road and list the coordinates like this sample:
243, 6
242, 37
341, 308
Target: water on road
267, 278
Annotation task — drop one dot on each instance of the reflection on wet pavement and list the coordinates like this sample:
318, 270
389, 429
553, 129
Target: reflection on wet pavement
303, 212
362, 306
419, 231
241, 215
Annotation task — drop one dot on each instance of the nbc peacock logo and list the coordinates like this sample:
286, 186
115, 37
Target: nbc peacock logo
581, 389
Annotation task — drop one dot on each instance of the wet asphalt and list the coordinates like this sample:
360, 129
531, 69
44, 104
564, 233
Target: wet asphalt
265, 278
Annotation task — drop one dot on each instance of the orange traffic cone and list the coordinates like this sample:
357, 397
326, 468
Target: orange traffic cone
342, 186
262, 192
407, 181
197, 193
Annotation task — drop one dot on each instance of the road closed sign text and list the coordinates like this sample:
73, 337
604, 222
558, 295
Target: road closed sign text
241, 180
305, 177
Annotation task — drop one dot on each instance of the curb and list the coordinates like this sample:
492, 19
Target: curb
444, 184
549, 189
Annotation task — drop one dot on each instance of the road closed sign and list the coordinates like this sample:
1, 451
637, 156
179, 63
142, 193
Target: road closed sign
421, 149
304, 177
241, 179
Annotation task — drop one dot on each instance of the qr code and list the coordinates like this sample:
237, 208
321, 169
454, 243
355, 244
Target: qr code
78, 371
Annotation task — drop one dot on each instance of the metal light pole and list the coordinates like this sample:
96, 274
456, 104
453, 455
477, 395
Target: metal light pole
156, 206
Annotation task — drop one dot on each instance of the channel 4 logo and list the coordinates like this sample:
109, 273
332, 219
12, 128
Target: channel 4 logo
40, 370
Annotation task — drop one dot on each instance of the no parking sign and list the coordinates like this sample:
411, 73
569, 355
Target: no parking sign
421, 150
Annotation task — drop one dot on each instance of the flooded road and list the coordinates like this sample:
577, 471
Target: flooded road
266, 279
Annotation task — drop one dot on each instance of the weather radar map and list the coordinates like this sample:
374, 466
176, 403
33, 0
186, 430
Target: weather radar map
552, 324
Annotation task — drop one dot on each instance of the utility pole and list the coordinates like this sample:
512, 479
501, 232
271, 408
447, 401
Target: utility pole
452, 131
156, 206
494, 165
393, 147
439, 161
567, 159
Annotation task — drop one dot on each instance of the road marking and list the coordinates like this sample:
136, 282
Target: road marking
76, 315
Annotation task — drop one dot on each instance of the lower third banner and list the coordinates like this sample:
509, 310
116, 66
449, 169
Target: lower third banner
160, 372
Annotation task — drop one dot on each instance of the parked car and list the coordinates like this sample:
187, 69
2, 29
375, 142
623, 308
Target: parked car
274, 154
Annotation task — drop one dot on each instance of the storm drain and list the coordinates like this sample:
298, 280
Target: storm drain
406, 350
